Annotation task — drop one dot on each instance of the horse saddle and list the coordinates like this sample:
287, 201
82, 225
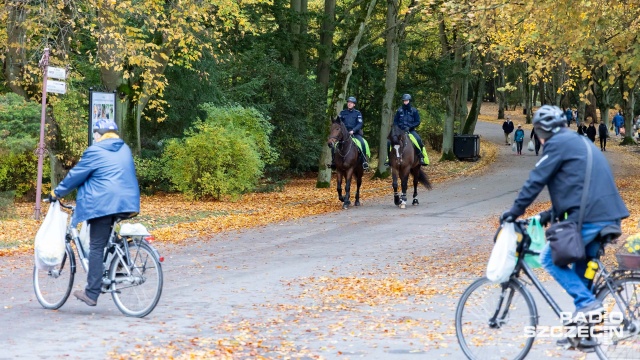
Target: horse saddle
366, 144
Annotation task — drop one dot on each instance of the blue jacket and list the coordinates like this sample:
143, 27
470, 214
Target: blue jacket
562, 169
407, 118
352, 120
106, 181
618, 120
519, 135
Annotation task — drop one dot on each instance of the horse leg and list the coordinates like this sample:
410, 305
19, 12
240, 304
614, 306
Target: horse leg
396, 196
358, 183
347, 189
415, 185
340, 186
404, 179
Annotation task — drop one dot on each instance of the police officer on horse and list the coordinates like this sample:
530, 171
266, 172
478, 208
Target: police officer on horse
407, 118
352, 119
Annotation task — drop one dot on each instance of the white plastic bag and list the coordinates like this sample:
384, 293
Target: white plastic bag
49, 245
84, 237
531, 146
503, 256
513, 146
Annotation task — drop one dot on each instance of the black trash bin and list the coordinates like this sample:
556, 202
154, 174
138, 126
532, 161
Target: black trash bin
466, 147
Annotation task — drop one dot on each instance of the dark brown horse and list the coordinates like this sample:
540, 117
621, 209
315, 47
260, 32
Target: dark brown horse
403, 161
348, 163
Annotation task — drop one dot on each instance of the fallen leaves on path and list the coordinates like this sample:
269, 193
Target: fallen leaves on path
171, 218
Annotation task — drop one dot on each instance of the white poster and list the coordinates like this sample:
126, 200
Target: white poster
103, 106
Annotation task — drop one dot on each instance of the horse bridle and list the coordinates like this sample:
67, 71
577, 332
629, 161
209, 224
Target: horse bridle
402, 141
336, 148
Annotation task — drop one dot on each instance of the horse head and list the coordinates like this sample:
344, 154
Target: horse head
337, 132
397, 138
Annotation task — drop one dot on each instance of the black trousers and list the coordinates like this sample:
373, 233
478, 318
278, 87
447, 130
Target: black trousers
537, 145
603, 143
99, 234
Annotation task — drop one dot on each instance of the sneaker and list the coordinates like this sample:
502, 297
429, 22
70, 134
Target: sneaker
592, 311
82, 296
564, 343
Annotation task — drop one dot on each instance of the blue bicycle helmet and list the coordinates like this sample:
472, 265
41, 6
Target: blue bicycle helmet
103, 126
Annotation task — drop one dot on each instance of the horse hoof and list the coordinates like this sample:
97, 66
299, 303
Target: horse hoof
402, 206
415, 202
357, 203
396, 200
345, 207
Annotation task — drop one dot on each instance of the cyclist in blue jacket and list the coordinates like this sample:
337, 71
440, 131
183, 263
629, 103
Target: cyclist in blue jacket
107, 186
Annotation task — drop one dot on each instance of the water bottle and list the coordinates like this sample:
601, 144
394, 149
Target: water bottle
592, 267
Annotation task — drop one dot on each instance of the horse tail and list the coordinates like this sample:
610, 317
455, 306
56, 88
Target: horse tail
423, 179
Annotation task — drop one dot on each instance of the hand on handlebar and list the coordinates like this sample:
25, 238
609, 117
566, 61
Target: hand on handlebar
52, 197
508, 216
545, 217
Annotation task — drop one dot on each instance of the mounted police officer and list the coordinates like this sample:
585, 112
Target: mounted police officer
407, 118
352, 120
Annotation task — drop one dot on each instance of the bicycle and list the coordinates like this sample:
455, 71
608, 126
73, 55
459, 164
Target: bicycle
501, 320
133, 271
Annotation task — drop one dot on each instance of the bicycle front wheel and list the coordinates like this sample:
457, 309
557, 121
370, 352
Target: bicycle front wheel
137, 291
52, 287
496, 321
621, 336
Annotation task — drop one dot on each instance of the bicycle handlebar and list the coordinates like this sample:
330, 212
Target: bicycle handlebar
70, 207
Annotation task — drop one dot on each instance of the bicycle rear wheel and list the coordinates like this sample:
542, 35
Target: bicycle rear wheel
621, 339
52, 287
136, 293
495, 321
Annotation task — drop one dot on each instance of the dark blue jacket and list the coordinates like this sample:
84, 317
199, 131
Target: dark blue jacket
618, 120
407, 118
352, 120
106, 181
562, 169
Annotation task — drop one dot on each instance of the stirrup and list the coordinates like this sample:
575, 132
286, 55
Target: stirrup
365, 165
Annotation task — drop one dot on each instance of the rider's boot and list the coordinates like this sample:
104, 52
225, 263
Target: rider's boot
333, 161
422, 158
365, 164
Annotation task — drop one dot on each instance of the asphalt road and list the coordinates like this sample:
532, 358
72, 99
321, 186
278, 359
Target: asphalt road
288, 284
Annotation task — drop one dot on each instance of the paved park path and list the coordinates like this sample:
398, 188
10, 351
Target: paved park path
298, 286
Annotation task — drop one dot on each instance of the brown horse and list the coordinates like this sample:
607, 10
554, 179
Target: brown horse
348, 162
403, 160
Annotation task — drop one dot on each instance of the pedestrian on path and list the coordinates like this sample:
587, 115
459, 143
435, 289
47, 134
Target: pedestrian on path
591, 131
603, 134
519, 138
618, 122
507, 127
582, 129
536, 140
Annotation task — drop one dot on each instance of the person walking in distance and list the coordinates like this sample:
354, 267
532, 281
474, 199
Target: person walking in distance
519, 139
507, 127
591, 130
603, 134
536, 140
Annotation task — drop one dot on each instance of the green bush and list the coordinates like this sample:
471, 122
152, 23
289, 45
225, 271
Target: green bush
19, 133
432, 128
152, 174
220, 156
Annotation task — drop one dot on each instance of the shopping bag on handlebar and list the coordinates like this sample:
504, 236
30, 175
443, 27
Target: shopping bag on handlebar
536, 233
49, 245
503, 256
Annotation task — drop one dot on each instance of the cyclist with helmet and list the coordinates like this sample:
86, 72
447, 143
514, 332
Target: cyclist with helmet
107, 186
352, 119
407, 118
562, 170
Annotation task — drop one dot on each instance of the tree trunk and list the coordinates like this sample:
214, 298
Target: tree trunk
628, 100
304, 28
451, 99
501, 94
463, 111
15, 57
590, 109
339, 93
478, 89
541, 93
527, 96
325, 49
296, 7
